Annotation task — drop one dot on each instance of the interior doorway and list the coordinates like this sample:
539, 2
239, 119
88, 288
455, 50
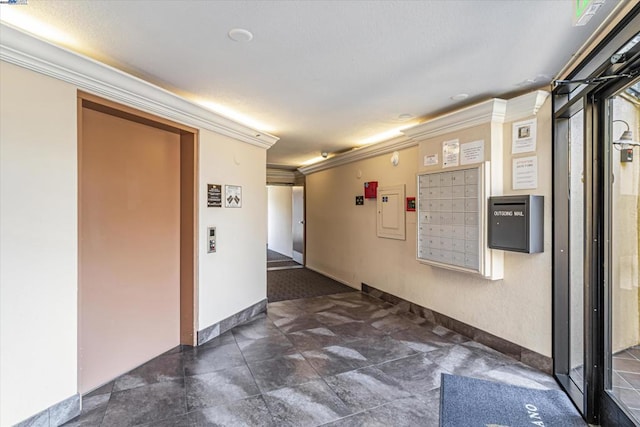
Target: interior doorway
286, 228
137, 238
297, 223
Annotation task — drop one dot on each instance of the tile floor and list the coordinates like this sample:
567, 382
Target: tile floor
339, 360
626, 379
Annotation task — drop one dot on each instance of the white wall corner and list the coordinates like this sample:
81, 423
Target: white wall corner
29, 52
525, 105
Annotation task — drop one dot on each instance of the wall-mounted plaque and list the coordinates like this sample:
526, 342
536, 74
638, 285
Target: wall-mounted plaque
214, 195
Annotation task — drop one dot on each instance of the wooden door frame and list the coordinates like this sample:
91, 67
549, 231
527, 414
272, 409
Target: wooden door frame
189, 143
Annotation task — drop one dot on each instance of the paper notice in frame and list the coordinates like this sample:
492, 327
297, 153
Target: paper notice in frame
450, 153
232, 196
525, 173
431, 159
524, 137
472, 152
214, 195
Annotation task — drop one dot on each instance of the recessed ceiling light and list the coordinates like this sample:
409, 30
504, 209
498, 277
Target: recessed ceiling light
240, 35
460, 96
405, 116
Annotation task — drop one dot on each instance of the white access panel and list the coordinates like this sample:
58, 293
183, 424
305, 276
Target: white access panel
451, 229
391, 218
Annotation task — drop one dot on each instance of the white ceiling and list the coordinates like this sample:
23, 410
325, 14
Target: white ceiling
326, 75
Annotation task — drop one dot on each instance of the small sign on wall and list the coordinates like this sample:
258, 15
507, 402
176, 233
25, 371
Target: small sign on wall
525, 173
450, 153
524, 137
233, 196
472, 152
214, 195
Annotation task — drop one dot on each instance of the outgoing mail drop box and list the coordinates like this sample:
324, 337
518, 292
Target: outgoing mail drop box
516, 223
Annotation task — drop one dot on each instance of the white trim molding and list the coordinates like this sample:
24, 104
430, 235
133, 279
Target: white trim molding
525, 105
29, 52
492, 110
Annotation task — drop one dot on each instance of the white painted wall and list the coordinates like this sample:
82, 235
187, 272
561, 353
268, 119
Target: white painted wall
38, 243
279, 214
38, 239
342, 243
235, 276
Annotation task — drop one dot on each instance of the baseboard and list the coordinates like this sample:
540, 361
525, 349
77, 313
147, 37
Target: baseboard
55, 415
526, 356
219, 328
317, 270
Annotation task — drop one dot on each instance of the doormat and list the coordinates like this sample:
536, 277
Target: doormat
467, 402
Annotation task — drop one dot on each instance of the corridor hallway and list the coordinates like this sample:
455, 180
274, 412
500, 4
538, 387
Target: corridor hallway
346, 359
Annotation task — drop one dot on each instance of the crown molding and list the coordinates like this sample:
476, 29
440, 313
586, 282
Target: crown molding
361, 153
29, 52
525, 105
492, 110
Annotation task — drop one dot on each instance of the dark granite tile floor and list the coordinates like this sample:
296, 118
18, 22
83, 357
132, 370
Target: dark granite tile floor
626, 379
341, 360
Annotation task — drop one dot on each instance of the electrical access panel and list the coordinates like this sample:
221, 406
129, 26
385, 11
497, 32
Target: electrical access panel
516, 223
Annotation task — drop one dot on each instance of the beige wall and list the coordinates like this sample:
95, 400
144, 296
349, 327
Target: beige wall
38, 243
625, 236
342, 243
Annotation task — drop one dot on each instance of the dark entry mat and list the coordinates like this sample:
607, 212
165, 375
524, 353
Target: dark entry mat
301, 283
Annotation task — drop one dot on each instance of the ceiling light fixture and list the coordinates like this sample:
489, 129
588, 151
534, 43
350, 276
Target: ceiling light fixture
240, 35
405, 116
460, 97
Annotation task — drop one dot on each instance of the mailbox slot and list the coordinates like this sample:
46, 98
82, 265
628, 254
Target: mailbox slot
516, 223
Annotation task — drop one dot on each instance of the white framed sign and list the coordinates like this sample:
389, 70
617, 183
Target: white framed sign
232, 196
525, 173
450, 153
524, 137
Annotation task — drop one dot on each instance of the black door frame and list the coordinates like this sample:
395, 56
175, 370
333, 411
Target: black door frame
596, 405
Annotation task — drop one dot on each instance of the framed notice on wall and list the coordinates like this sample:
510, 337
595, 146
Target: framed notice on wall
232, 196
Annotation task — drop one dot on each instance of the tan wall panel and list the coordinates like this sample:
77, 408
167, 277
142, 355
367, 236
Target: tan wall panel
129, 245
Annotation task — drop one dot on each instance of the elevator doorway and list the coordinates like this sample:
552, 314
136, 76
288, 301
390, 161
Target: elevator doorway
137, 246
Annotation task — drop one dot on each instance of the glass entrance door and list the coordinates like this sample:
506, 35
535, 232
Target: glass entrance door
576, 248
622, 345
570, 154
